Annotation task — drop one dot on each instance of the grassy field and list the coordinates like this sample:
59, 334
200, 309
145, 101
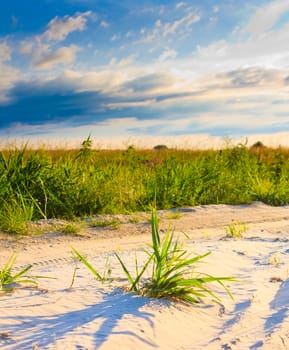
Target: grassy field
67, 184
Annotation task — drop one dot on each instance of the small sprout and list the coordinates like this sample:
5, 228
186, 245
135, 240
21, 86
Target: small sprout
236, 230
206, 235
275, 259
9, 281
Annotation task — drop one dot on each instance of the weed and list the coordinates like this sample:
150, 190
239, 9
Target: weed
8, 280
175, 215
172, 271
134, 219
102, 278
15, 215
275, 259
72, 228
110, 223
236, 230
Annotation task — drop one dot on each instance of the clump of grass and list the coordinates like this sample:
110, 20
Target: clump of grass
111, 223
275, 259
172, 269
173, 274
8, 280
15, 215
175, 215
134, 219
236, 230
71, 228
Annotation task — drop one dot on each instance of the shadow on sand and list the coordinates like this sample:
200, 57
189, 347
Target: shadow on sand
45, 330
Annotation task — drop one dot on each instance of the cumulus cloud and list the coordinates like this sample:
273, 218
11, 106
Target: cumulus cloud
180, 4
60, 28
167, 54
5, 52
63, 55
266, 16
43, 49
8, 74
104, 24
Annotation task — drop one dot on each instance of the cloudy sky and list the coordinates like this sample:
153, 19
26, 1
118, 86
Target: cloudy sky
151, 67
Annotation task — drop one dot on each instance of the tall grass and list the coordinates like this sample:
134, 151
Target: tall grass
70, 183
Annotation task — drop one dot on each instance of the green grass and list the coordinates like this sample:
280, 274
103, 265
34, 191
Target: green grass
72, 228
109, 223
9, 280
171, 268
236, 230
69, 184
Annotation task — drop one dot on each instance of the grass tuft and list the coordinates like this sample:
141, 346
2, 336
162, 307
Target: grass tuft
236, 230
172, 270
9, 280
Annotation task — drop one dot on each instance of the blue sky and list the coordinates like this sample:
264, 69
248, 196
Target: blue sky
151, 67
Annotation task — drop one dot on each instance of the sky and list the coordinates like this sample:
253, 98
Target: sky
73, 68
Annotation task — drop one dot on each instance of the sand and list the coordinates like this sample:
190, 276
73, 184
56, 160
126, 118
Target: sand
91, 315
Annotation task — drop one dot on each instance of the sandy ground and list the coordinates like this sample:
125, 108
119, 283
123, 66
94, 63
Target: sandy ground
90, 315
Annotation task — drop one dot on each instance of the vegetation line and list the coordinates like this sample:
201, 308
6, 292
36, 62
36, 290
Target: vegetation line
36, 184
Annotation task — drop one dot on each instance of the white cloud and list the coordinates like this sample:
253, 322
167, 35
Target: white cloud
104, 24
60, 28
266, 16
8, 74
268, 50
115, 37
167, 54
26, 47
8, 77
180, 4
126, 61
63, 55
5, 52
187, 21
129, 34
164, 29
43, 48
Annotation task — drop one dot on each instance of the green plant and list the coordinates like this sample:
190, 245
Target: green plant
275, 259
172, 271
102, 278
67, 184
15, 215
8, 280
175, 215
173, 274
72, 228
236, 230
135, 219
110, 223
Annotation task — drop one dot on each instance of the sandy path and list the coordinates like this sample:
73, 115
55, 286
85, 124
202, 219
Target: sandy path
93, 316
